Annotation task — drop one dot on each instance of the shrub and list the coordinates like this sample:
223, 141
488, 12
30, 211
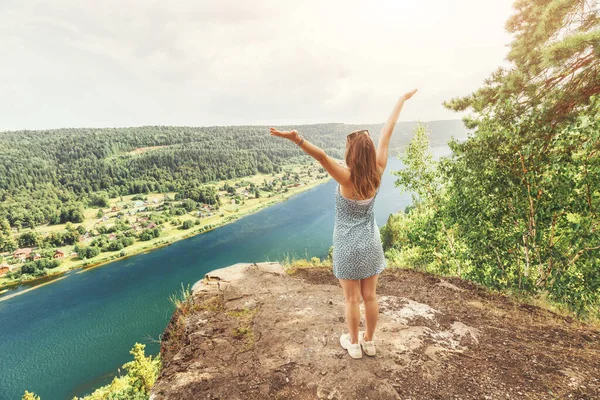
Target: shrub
84, 252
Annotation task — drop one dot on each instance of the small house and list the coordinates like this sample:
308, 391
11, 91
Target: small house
34, 256
58, 254
114, 209
22, 254
151, 225
4, 268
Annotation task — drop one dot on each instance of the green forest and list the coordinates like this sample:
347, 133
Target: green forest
50, 176
516, 207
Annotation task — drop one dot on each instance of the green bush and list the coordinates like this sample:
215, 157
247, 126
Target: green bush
84, 252
37, 267
115, 245
149, 234
136, 384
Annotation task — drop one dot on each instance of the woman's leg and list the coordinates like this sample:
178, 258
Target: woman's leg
367, 290
352, 296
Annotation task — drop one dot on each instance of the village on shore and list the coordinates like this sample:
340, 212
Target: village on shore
137, 223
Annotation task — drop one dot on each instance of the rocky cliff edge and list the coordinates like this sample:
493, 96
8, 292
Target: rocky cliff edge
256, 331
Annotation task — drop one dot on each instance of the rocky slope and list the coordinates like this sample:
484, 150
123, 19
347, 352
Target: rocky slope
254, 331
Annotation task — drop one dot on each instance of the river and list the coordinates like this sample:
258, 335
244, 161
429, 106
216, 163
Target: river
69, 337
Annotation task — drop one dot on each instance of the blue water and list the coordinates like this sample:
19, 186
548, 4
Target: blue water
69, 337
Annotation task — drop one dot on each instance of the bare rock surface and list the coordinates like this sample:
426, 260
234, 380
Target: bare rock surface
254, 331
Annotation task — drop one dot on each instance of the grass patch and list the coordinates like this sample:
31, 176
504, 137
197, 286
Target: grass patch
245, 313
292, 265
244, 330
213, 304
183, 300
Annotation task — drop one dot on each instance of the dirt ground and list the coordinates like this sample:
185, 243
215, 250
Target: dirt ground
255, 332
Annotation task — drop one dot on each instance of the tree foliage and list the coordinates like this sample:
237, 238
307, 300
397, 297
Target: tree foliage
37, 267
141, 374
554, 68
7, 243
516, 205
30, 396
84, 252
427, 239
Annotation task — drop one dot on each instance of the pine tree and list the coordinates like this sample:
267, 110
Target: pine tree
555, 64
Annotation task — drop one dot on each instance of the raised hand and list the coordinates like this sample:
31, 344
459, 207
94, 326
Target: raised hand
291, 135
386, 132
408, 95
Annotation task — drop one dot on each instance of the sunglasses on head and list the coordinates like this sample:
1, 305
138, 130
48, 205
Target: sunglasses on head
353, 134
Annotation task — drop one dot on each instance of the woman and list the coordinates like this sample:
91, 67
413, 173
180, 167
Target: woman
357, 252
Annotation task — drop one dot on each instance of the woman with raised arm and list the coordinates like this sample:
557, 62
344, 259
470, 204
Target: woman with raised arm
357, 252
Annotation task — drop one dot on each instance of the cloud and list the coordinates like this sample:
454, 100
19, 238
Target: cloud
129, 62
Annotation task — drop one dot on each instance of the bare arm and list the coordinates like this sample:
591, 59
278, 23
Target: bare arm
388, 128
340, 173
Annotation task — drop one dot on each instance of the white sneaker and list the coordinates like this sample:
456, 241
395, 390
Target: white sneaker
353, 349
368, 347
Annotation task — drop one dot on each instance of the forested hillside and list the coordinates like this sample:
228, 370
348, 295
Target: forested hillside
517, 206
48, 176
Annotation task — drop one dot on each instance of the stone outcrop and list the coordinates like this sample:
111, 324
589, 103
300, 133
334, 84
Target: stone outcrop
256, 331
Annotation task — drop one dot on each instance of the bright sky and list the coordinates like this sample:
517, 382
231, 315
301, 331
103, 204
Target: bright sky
71, 63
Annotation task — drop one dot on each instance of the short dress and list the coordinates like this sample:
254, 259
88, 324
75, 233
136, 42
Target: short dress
357, 249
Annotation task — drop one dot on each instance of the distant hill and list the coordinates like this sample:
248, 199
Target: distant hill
45, 175
441, 131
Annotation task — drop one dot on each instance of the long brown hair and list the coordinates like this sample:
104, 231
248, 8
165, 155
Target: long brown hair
362, 161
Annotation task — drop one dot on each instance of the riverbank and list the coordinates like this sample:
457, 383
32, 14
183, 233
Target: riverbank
225, 215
